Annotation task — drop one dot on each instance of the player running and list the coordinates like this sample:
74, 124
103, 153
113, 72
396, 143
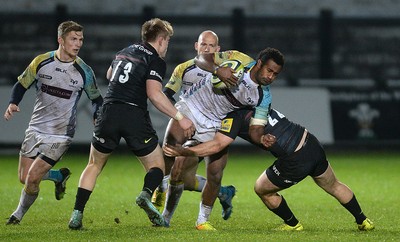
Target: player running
207, 106
59, 77
181, 172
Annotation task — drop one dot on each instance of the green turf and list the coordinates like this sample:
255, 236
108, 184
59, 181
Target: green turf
373, 176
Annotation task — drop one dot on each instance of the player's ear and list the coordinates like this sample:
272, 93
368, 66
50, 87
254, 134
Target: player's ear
196, 46
60, 40
259, 63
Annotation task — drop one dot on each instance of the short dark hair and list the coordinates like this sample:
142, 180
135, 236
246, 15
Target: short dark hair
271, 53
68, 26
152, 28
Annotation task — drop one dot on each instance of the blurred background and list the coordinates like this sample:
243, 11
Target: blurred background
340, 80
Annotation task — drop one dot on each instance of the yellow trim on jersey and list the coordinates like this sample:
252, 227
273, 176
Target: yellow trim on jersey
175, 82
29, 75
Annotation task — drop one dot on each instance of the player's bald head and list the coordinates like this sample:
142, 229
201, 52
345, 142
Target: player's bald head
208, 34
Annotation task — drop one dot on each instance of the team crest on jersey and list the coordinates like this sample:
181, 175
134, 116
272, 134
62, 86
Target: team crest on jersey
226, 125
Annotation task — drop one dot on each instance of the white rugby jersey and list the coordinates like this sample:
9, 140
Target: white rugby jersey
59, 86
184, 76
211, 105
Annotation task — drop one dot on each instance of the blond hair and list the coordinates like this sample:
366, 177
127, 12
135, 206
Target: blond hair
155, 27
65, 27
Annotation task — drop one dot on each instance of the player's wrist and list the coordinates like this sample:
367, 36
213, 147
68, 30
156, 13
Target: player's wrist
215, 71
178, 116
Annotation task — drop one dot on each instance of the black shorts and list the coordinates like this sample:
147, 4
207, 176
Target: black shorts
119, 120
310, 160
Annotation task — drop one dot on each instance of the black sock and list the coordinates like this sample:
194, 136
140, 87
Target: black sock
354, 208
82, 196
284, 212
152, 179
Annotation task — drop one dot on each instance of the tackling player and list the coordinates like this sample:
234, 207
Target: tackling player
299, 154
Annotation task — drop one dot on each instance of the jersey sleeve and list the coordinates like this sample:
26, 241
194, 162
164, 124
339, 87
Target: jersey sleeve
262, 109
175, 82
90, 84
29, 75
157, 69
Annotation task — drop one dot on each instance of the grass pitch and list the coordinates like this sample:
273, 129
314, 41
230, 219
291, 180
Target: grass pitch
373, 176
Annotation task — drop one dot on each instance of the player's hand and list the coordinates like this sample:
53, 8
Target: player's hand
188, 127
268, 140
176, 150
12, 108
226, 75
172, 151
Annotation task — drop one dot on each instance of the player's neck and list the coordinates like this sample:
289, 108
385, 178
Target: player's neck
63, 56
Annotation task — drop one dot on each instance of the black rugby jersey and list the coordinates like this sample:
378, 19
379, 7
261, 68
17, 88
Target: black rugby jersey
131, 67
287, 133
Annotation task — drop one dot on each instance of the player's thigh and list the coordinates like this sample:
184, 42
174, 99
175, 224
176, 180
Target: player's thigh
264, 186
326, 180
38, 169
153, 159
216, 164
174, 133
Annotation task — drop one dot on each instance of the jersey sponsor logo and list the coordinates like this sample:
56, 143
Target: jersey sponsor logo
275, 170
101, 140
55, 91
73, 82
154, 73
61, 70
142, 48
147, 140
45, 76
226, 125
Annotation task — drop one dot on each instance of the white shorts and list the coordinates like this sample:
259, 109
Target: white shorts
205, 127
51, 146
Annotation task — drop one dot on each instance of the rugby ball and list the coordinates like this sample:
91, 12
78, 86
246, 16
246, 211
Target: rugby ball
235, 65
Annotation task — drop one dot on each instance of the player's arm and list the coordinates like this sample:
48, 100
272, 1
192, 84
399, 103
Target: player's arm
214, 146
170, 94
17, 94
206, 61
96, 104
109, 73
161, 102
260, 120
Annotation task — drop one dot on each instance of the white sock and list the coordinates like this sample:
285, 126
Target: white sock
204, 213
25, 202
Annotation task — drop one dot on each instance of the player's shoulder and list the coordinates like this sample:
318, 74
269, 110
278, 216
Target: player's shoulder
80, 62
48, 56
185, 65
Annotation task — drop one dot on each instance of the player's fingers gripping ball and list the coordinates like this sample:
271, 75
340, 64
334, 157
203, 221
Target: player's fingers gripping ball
233, 64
